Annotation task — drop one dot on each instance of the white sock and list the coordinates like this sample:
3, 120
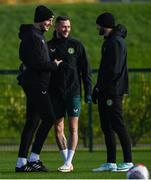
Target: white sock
70, 156
21, 162
64, 154
34, 157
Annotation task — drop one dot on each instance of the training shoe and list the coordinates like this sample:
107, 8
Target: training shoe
38, 165
106, 167
66, 168
125, 166
25, 168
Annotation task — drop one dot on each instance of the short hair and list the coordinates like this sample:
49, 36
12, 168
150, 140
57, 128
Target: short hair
61, 18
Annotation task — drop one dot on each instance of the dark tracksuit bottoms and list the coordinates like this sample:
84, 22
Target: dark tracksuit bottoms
111, 119
40, 116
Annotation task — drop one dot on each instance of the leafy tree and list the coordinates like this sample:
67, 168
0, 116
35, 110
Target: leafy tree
137, 112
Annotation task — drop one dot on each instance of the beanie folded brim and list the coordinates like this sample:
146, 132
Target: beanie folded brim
106, 20
42, 13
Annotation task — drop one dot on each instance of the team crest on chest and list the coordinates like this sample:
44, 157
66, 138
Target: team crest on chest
71, 50
109, 102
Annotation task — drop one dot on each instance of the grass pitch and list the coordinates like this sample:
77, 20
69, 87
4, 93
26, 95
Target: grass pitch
83, 163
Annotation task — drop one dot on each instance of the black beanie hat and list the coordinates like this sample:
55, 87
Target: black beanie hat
106, 20
42, 13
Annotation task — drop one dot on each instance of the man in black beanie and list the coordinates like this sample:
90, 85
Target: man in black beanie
42, 13
34, 78
43, 17
112, 84
106, 20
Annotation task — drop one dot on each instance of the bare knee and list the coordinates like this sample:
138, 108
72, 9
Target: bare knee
73, 130
73, 125
59, 128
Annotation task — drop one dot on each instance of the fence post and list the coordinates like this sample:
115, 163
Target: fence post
90, 128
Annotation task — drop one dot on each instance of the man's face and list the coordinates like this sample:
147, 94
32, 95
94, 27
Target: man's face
45, 25
101, 30
63, 28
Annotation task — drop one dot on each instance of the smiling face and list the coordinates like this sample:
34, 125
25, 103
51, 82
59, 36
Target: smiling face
45, 25
63, 28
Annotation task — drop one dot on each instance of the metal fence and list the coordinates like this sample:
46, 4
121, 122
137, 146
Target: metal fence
11, 94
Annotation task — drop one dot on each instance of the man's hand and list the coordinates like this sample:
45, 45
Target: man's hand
95, 93
88, 99
57, 62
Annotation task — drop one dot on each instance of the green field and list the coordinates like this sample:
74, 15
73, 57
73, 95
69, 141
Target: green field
135, 16
83, 163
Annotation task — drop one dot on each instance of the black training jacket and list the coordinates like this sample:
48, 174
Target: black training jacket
113, 74
33, 52
67, 79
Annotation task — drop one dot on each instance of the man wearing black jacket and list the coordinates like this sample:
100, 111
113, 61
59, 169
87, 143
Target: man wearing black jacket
66, 83
34, 78
112, 84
